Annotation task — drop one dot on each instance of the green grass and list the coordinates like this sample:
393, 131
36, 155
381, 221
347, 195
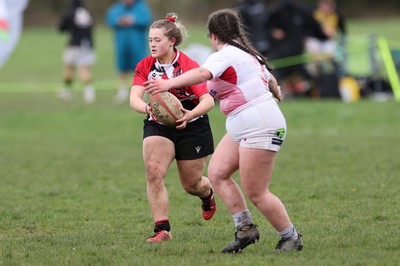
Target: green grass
73, 189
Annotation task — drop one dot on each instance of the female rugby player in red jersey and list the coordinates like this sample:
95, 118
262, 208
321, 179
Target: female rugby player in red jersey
190, 142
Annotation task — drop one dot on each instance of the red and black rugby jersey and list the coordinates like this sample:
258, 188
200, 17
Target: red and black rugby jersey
149, 68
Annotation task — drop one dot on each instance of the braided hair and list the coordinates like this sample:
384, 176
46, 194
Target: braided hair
226, 25
173, 28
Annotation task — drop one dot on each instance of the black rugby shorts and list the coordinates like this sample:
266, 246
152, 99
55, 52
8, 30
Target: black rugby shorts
193, 142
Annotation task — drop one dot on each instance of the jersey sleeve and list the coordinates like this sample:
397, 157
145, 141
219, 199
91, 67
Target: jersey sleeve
66, 21
197, 89
217, 63
141, 74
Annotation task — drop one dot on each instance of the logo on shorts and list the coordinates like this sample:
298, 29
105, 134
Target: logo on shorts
280, 133
278, 137
198, 148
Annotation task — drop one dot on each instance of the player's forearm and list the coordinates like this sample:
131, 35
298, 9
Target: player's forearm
136, 100
193, 76
274, 88
205, 105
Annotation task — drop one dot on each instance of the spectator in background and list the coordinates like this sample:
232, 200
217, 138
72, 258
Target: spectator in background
332, 23
289, 23
130, 20
78, 23
253, 14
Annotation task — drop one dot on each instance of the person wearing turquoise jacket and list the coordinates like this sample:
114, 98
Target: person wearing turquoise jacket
130, 21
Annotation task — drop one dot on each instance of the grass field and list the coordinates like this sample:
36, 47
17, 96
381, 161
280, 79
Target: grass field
73, 189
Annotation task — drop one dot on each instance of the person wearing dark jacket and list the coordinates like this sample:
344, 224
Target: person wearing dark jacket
253, 15
289, 23
78, 23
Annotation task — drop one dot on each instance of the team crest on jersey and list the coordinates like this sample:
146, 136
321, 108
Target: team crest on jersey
156, 73
177, 73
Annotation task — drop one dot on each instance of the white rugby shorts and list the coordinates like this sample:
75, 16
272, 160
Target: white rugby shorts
313, 45
79, 56
261, 126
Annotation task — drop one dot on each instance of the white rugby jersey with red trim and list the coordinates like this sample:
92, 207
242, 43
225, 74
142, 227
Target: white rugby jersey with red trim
149, 67
239, 80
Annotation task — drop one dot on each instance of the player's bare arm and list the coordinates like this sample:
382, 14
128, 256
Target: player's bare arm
136, 100
193, 76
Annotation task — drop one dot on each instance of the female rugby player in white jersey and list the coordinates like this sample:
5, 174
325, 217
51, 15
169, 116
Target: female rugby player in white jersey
239, 77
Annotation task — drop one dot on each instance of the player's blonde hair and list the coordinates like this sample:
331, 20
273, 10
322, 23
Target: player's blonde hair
173, 28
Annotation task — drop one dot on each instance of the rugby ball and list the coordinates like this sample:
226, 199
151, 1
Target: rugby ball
166, 108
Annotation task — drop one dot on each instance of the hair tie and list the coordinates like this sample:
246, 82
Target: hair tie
171, 19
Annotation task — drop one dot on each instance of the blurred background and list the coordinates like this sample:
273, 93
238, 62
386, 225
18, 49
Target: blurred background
47, 12
366, 61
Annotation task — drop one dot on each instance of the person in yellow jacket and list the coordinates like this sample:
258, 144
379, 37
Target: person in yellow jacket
332, 22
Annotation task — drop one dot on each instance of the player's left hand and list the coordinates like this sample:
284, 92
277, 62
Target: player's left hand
187, 116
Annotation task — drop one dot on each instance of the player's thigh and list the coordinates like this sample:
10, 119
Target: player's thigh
191, 171
256, 167
158, 153
225, 160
